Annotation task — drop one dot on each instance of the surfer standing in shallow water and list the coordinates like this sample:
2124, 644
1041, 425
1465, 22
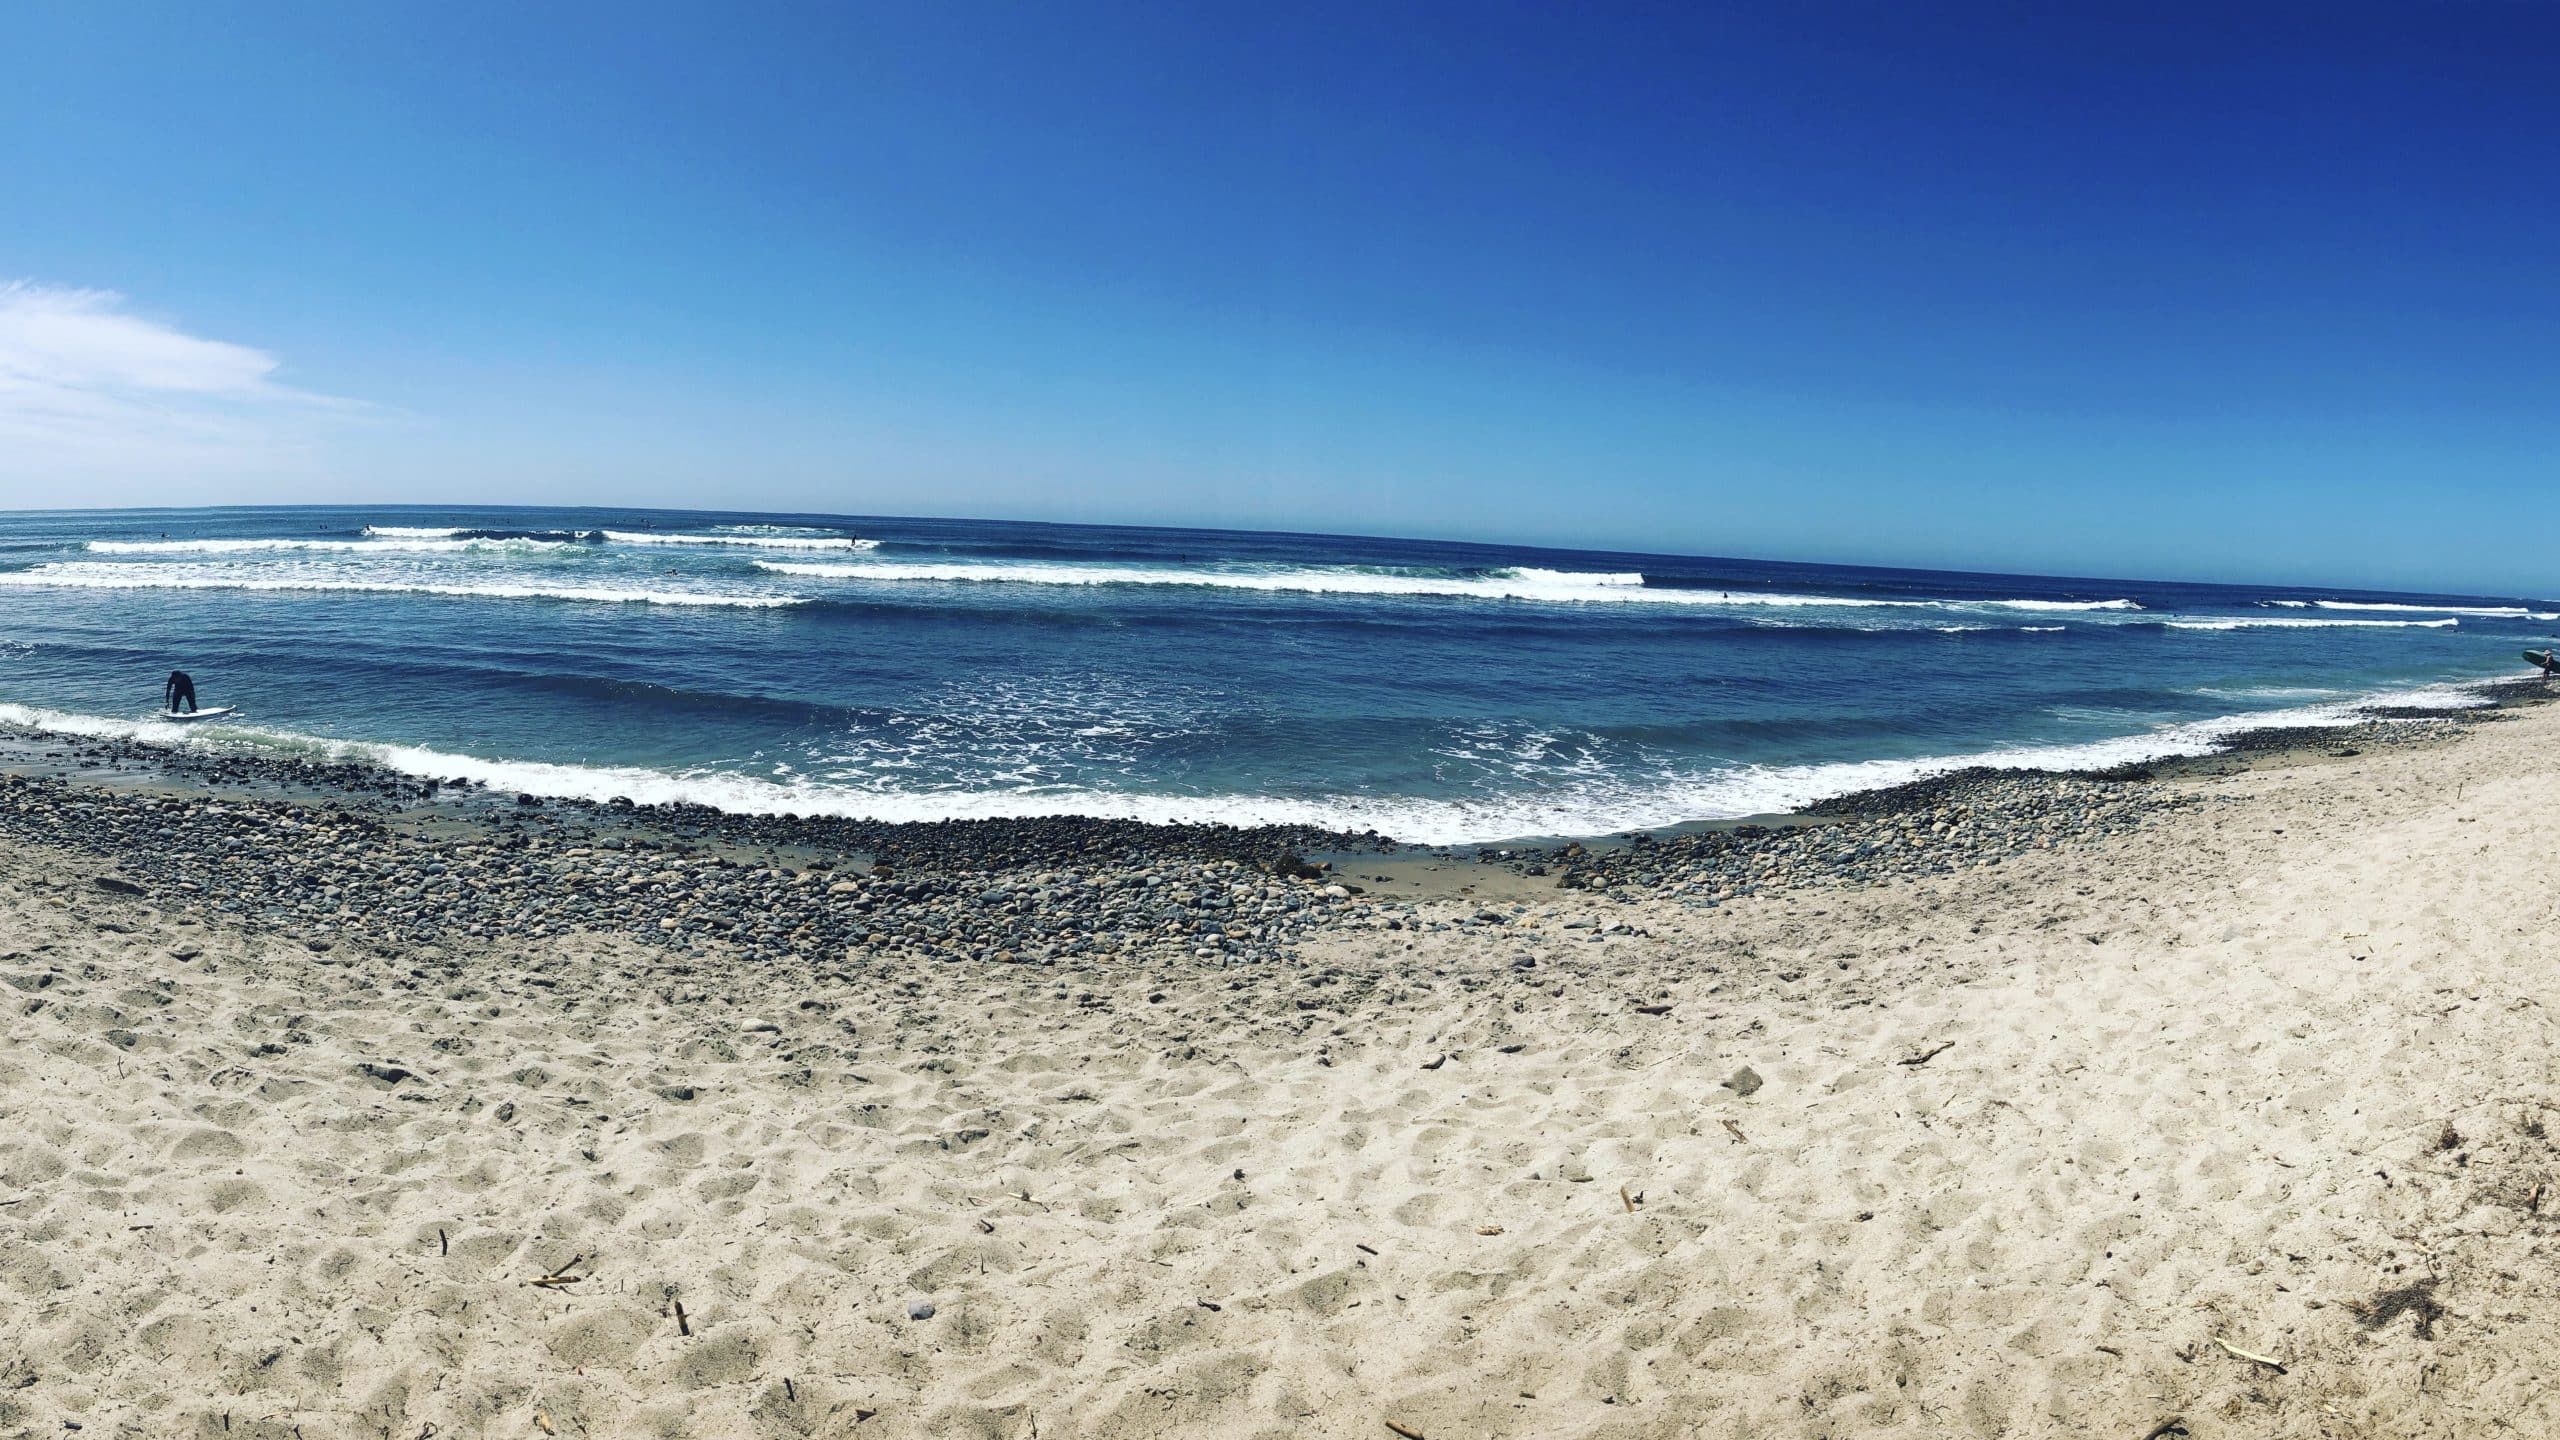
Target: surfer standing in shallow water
179, 686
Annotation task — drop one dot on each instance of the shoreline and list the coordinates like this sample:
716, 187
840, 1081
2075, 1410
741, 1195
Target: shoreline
770, 884
1064, 835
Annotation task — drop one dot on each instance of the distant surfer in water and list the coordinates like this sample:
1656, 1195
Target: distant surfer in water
180, 686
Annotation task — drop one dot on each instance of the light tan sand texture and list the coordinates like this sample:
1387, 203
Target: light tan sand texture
2049, 1148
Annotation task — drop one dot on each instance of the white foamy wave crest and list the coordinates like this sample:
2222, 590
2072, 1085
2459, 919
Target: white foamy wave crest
758, 541
1522, 583
2265, 692
2495, 612
2287, 624
1597, 805
72, 575
414, 532
386, 545
1525, 584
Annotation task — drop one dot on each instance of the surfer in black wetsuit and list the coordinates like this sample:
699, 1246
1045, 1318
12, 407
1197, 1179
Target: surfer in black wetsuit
180, 686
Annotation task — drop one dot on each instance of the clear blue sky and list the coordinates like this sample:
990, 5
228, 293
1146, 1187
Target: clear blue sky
2265, 292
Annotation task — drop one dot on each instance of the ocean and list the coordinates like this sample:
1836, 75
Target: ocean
918, 669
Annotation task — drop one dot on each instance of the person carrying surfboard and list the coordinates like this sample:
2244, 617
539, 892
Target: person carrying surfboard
179, 686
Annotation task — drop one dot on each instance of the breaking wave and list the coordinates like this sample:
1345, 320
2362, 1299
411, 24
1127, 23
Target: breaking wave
136, 577
2494, 612
2272, 623
758, 539
382, 544
1519, 583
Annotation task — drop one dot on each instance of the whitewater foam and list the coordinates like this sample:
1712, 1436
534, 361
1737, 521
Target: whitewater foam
76, 575
757, 541
381, 545
2504, 612
2274, 623
1521, 583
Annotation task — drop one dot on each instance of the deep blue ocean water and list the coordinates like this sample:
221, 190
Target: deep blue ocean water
915, 669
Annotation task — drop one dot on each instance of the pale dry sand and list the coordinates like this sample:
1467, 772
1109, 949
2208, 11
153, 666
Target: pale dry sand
2235, 1079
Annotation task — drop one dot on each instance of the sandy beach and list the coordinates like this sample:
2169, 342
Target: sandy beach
2230, 1119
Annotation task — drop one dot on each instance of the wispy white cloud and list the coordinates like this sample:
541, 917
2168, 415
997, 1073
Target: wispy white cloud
88, 387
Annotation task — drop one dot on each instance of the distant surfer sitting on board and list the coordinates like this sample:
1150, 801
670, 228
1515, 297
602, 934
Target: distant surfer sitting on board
180, 686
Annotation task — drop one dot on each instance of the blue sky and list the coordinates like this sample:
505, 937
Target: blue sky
2251, 292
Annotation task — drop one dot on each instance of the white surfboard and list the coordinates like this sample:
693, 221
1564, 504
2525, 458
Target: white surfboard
195, 714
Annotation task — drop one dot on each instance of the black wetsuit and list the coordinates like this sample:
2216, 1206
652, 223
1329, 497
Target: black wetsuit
180, 687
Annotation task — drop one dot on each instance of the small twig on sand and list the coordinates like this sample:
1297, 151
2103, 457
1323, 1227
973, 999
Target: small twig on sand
1626, 1199
1407, 1431
1925, 1056
2174, 1425
1736, 1132
2272, 1364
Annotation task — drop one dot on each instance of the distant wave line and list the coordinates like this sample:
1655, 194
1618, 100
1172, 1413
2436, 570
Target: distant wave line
741, 536
1516, 583
2495, 612
753, 542
2308, 624
383, 545
133, 577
